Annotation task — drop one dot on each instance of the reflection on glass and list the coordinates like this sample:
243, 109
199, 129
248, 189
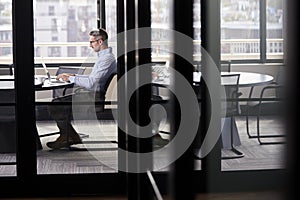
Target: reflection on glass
62, 36
7, 94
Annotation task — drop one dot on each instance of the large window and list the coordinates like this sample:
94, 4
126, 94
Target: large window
5, 32
61, 29
69, 22
242, 30
275, 32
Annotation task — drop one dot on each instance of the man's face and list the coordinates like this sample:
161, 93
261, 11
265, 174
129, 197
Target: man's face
95, 44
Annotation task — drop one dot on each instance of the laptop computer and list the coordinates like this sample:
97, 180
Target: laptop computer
51, 80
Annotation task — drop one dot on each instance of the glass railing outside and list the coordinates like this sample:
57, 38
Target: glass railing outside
233, 49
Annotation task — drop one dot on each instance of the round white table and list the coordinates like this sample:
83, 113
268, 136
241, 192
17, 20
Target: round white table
247, 79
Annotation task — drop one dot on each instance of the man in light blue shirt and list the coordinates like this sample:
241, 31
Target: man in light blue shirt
94, 87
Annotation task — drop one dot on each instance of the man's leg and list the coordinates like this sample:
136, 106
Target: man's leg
62, 115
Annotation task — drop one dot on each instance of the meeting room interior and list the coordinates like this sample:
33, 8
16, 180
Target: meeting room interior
202, 102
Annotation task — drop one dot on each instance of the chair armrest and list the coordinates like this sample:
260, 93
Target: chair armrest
269, 87
253, 87
269, 105
254, 106
79, 89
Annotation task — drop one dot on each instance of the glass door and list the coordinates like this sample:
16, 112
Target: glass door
61, 42
7, 93
59, 38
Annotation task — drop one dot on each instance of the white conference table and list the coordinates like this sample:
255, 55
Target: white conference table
247, 79
7, 83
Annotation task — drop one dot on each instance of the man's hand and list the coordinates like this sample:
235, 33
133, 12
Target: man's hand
64, 76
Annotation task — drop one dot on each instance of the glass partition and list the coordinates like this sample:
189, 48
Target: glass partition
62, 42
7, 93
256, 129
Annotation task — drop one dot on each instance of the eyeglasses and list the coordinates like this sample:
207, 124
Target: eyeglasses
91, 42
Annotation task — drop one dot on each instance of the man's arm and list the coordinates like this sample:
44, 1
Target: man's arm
65, 76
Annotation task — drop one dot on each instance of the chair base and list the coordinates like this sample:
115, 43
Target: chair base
259, 136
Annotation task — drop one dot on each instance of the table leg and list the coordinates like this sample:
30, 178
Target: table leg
226, 136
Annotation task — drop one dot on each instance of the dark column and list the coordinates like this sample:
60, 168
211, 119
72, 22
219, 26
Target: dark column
183, 168
24, 85
210, 42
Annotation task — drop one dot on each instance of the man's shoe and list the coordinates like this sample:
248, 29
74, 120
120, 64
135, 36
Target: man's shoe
61, 141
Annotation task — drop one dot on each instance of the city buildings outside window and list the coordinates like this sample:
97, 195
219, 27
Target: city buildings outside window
67, 23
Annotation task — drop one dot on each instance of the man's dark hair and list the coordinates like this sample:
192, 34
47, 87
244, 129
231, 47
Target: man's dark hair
100, 34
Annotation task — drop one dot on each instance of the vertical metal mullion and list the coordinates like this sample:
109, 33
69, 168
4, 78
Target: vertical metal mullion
292, 102
98, 14
263, 30
183, 168
24, 85
101, 20
132, 178
144, 94
121, 86
138, 15
103, 14
210, 42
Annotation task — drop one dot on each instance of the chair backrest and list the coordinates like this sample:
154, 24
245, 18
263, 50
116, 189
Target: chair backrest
6, 70
109, 81
225, 66
111, 94
70, 70
280, 80
232, 92
7, 112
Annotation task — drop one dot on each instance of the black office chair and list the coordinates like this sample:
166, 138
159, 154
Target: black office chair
102, 113
263, 107
232, 109
100, 107
225, 66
